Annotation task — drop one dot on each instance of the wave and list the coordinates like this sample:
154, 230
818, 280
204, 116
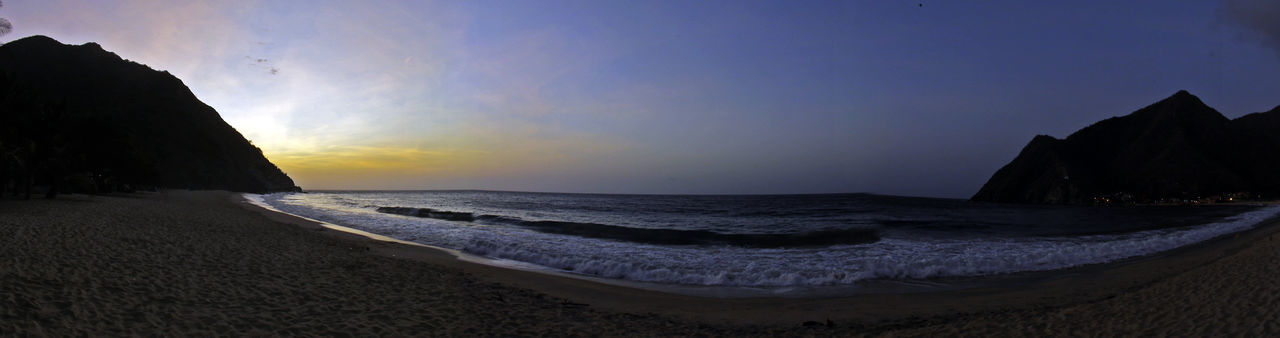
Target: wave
891, 257
428, 213
702, 237
827, 237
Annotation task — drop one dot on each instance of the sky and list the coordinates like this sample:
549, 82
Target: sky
918, 98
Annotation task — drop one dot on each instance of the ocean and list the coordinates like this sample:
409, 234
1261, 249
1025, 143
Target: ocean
768, 241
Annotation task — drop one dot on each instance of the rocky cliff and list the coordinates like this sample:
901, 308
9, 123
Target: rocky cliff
80, 113
1176, 149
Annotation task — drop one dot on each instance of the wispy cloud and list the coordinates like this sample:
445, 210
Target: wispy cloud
521, 73
5, 25
1260, 16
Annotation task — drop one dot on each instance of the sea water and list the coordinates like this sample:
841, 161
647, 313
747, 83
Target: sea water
769, 240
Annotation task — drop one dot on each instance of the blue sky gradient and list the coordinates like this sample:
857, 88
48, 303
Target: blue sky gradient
923, 98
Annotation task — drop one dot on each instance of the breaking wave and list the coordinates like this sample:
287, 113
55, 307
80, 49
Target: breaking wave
698, 257
826, 237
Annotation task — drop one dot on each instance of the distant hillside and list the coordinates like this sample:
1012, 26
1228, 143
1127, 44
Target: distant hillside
1176, 149
76, 118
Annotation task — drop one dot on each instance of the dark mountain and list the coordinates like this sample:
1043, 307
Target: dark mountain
79, 117
1177, 148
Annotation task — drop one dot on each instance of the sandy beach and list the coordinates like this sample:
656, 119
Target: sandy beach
202, 263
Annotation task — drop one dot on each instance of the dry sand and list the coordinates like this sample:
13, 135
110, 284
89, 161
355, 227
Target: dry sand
201, 263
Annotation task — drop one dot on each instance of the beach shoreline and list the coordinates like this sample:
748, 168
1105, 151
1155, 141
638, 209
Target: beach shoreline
1020, 291
183, 262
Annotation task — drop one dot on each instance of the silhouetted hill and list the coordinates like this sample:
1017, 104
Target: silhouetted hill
1178, 148
80, 113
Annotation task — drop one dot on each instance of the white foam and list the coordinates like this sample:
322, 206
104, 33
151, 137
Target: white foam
891, 258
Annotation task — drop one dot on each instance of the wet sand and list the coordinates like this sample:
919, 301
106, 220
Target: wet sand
197, 263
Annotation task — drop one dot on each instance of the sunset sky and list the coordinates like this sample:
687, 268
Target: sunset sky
924, 98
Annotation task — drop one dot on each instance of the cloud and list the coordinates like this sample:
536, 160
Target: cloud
1259, 16
5, 25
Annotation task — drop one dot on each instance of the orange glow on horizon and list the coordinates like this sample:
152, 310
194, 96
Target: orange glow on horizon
361, 163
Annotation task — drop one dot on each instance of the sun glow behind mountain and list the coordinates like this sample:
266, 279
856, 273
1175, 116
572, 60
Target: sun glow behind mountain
670, 97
